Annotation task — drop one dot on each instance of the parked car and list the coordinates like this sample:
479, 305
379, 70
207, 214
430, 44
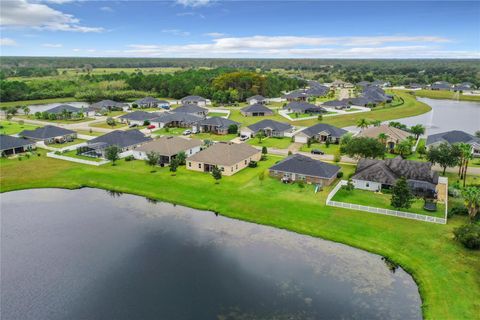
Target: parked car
316, 151
151, 126
166, 107
243, 137
133, 125
187, 132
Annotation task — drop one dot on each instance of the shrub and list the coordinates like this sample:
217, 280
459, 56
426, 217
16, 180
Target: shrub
301, 184
468, 235
263, 157
39, 154
253, 164
264, 150
337, 157
459, 210
58, 153
129, 158
339, 174
349, 186
146, 123
454, 192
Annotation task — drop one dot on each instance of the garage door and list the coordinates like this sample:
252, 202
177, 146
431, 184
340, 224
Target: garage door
301, 139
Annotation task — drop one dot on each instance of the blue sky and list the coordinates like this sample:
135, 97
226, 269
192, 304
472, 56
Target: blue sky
268, 29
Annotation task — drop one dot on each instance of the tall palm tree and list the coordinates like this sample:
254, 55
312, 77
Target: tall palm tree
383, 137
376, 123
363, 123
465, 155
471, 195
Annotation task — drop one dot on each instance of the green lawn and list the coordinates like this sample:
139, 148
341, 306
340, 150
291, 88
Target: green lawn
73, 154
332, 148
31, 117
277, 143
104, 125
67, 144
213, 137
216, 114
39, 101
442, 94
294, 115
378, 200
447, 274
90, 133
170, 131
13, 127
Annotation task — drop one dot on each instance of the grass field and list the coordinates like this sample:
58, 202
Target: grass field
213, 137
13, 127
170, 131
40, 101
277, 143
217, 114
332, 148
31, 117
442, 94
378, 200
448, 275
66, 144
90, 133
104, 125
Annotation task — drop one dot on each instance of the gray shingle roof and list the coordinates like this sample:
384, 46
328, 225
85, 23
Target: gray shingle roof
272, 124
295, 94
169, 146
317, 91
336, 103
46, 132
107, 103
301, 106
193, 98
9, 142
442, 85
323, 127
120, 138
218, 122
256, 108
301, 164
150, 100
139, 116
190, 108
256, 97
451, 137
168, 117
60, 108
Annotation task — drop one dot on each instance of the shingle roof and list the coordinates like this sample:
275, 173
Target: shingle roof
225, 154
120, 138
168, 117
441, 85
392, 132
9, 142
336, 103
169, 146
272, 124
60, 108
218, 122
46, 132
451, 137
301, 164
389, 170
317, 91
150, 100
256, 97
360, 101
193, 98
323, 127
139, 116
256, 108
107, 103
301, 106
295, 94
190, 108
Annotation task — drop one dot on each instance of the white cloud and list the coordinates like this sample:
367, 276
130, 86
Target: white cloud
52, 45
214, 34
191, 14
194, 3
76, 50
21, 13
106, 9
7, 42
176, 32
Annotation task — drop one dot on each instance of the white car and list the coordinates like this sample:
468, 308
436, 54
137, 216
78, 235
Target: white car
243, 138
187, 132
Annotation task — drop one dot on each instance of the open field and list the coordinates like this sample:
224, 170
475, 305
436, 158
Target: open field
277, 143
13, 127
448, 275
442, 94
104, 125
31, 117
40, 101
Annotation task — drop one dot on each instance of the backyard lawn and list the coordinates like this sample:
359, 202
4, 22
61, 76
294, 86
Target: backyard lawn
169, 131
90, 133
104, 125
217, 114
295, 115
31, 117
332, 148
276, 143
13, 127
380, 200
73, 154
213, 137
66, 144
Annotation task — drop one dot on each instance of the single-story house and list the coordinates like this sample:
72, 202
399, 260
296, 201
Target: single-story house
361, 101
298, 167
373, 175
168, 147
337, 104
200, 101
341, 84
192, 109
415, 86
176, 119
257, 99
150, 102
440, 85
106, 105
217, 125
49, 134
270, 128
138, 117
227, 156
453, 137
125, 140
363, 84
320, 132
394, 135
317, 91
303, 107
256, 110
380, 83
297, 95
464, 86
12, 145
88, 112
376, 94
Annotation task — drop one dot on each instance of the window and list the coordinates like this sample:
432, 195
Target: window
190, 151
200, 165
367, 184
189, 164
245, 161
222, 169
236, 166
231, 169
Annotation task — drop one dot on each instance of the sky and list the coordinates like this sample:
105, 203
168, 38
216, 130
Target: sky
240, 29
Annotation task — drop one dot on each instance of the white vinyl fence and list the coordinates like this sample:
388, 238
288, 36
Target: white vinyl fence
388, 212
92, 163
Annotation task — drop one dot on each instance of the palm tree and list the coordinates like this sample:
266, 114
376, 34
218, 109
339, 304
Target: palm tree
465, 155
26, 110
363, 123
383, 137
376, 123
471, 195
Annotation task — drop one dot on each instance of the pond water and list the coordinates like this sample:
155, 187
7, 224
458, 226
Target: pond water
92, 254
43, 107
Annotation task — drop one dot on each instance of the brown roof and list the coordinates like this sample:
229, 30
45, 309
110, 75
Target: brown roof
392, 132
225, 154
169, 146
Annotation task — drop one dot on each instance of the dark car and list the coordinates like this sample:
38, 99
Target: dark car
316, 151
133, 125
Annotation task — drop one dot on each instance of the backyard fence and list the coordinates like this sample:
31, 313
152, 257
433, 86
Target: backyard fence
388, 212
92, 163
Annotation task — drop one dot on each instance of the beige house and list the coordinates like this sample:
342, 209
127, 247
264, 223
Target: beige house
394, 135
227, 156
168, 147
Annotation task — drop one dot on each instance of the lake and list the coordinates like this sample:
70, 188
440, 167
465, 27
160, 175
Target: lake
93, 254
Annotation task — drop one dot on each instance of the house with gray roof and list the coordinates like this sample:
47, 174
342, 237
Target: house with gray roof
317, 91
49, 134
150, 102
297, 95
320, 132
66, 108
298, 167
216, 125
125, 140
440, 85
200, 101
337, 104
12, 145
453, 137
176, 119
270, 128
256, 110
303, 107
257, 99
138, 117
374, 175
109, 105
465, 86
192, 109
168, 148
